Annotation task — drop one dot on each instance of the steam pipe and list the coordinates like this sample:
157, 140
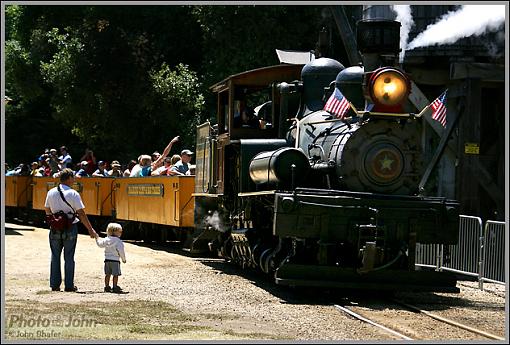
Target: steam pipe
285, 90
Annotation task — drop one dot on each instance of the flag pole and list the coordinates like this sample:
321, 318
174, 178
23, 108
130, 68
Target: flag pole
353, 107
420, 114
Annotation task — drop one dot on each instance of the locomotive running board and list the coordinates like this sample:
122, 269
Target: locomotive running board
333, 277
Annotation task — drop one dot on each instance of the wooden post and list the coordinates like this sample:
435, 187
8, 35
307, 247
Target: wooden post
469, 137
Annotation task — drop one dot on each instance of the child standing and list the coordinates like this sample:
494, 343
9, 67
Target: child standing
113, 251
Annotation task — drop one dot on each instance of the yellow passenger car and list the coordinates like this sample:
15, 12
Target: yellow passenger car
164, 200
96, 193
18, 191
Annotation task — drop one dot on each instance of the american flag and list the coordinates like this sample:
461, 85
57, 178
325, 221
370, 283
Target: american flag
337, 105
439, 109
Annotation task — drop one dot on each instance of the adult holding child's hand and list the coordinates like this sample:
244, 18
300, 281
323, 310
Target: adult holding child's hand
64, 198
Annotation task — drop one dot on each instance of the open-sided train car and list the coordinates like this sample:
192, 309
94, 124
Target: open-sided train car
150, 208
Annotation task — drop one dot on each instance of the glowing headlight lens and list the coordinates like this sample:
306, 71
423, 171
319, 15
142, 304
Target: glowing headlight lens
388, 86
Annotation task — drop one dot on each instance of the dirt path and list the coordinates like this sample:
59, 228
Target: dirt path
171, 296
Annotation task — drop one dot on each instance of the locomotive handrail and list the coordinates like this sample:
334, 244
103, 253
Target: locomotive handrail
359, 113
334, 206
263, 192
175, 202
368, 113
207, 194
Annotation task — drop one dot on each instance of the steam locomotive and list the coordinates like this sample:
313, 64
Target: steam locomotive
305, 197
313, 199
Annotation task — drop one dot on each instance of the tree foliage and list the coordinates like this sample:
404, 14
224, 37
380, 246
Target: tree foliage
124, 80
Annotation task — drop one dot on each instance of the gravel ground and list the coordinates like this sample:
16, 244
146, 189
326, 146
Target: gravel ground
209, 295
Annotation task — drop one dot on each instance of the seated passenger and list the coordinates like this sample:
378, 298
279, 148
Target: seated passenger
34, 169
162, 169
130, 166
101, 170
91, 161
173, 160
247, 119
143, 168
157, 159
182, 166
83, 170
115, 172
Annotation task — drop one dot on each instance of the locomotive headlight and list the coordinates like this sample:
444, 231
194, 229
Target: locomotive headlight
388, 87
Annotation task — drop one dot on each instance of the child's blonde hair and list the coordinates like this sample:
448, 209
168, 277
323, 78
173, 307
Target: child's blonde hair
112, 227
175, 159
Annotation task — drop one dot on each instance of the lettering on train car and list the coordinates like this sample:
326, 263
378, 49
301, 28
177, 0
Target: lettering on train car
145, 189
76, 186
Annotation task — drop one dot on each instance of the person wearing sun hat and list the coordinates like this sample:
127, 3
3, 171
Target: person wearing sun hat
115, 172
182, 166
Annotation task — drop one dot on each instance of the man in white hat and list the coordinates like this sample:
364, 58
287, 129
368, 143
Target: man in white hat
115, 172
182, 166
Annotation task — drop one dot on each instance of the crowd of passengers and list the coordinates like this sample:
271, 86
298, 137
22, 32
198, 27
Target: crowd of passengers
50, 163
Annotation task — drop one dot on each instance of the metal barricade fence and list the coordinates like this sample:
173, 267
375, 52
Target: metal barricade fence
465, 257
492, 268
428, 255
479, 253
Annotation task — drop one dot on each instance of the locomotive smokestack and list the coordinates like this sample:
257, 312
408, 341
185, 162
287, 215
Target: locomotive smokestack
378, 42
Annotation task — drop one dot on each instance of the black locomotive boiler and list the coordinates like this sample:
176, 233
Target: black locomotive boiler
315, 200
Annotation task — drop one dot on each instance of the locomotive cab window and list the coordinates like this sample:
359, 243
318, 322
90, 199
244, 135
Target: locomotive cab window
252, 111
251, 115
223, 112
247, 108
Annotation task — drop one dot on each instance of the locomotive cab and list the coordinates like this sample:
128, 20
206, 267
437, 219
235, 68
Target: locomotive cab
239, 138
225, 150
247, 90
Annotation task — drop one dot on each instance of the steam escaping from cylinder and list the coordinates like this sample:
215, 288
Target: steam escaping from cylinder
469, 20
405, 18
214, 221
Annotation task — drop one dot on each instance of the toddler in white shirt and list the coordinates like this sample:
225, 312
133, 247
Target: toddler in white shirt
113, 252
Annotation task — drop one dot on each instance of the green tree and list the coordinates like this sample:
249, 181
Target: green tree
95, 63
240, 38
124, 80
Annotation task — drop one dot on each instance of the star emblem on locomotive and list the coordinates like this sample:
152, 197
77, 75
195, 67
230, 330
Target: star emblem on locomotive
386, 163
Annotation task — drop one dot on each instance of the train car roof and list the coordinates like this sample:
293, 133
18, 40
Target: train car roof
261, 76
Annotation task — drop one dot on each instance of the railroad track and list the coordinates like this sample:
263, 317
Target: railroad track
422, 328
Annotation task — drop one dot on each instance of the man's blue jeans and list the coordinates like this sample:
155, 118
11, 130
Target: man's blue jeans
65, 240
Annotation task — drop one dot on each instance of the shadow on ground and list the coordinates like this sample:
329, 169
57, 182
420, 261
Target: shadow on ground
312, 295
11, 229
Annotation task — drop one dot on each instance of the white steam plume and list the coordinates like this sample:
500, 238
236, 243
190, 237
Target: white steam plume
469, 20
406, 19
214, 221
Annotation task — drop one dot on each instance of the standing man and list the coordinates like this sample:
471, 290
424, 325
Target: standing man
182, 166
66, 239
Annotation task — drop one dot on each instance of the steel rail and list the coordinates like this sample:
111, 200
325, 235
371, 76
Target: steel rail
451, 322
359, 317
